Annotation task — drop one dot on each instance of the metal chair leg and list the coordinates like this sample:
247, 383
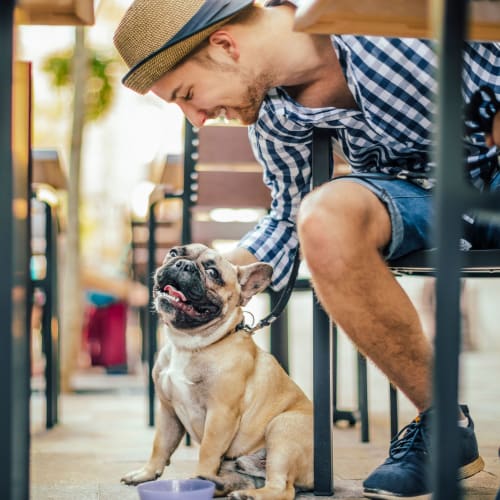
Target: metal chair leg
151, 320
279, 335
393, 398
323, 460
338, 414
363, 398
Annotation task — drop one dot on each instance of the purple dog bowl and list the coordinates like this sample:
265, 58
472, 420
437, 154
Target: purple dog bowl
177, 489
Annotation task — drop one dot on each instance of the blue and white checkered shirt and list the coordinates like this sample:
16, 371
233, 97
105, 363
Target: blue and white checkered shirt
393, 82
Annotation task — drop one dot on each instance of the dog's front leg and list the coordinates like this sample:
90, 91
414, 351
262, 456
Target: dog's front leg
220, 428
169, 432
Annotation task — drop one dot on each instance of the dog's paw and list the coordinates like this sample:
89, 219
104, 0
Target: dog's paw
140, 476
242, 495
221, 489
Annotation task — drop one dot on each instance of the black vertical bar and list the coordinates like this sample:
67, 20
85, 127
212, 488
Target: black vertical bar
393, 398
190, 152
323, 420
50, 320
449, 206
15, 288
338, 414
363, 397
335, 368
46, 320
279, 334
50, 331
143, 321
322, 159
322, 381
151, 319
6, 251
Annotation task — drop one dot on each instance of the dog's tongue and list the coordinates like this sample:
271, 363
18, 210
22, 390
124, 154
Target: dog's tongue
174, 292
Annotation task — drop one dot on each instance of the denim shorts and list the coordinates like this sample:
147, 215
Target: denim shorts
411, 210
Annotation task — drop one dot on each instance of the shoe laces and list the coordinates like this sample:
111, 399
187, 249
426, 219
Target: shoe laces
412, 437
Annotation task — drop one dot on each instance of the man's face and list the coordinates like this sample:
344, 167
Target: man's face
205, 88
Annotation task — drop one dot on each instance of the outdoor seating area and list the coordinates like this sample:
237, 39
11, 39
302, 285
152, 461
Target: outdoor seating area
99, 183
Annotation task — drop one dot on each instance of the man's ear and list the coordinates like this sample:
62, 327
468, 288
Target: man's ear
253, 279
223, 39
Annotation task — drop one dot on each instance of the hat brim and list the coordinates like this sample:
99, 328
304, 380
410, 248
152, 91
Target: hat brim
147, 72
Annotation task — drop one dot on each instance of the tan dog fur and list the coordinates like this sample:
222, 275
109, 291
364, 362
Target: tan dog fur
233, 398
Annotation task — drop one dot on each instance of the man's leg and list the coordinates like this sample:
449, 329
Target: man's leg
343, 228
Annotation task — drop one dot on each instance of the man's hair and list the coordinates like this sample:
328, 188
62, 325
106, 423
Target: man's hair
245, 17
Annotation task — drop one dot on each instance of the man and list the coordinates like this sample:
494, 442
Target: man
231, 58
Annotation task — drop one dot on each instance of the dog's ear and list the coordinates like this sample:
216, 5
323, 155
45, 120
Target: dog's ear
253, 278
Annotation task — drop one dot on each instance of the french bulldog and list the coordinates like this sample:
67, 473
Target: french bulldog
254, 425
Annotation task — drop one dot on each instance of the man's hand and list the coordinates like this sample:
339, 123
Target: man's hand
482, 114
240, 257
494, 138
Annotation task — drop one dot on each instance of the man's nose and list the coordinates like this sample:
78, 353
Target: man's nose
195, 116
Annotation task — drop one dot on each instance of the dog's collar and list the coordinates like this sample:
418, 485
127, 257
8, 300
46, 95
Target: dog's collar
248, 328
261, 324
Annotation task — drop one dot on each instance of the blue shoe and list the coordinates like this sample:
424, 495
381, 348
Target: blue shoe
405, 473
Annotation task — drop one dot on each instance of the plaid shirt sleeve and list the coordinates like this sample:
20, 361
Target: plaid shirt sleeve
284, 148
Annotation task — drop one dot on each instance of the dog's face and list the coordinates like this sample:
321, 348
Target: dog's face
196, 289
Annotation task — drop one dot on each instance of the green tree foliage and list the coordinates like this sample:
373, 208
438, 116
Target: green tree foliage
99, 85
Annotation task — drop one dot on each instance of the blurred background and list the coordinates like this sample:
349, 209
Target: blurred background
110, 145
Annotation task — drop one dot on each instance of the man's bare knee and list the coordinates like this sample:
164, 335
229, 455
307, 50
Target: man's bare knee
344, 208
339, 221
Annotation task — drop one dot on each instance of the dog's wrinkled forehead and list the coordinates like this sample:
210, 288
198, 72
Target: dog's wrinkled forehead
191, 252
203, 256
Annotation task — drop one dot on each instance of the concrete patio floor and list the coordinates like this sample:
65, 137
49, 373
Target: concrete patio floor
103, 434
103, 430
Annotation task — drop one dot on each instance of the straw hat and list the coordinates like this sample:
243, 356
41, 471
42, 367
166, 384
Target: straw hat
155, 35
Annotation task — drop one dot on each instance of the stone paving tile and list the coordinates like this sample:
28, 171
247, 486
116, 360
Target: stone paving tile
67, 493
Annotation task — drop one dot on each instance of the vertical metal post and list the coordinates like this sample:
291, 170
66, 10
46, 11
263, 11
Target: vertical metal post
15, 290
393, 398
322, 380
151, 319
363, 397
323, 418
279, 334
190, 156
449, 206
338, 414
50, 319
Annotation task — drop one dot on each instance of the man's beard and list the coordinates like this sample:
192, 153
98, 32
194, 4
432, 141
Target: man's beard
249, 113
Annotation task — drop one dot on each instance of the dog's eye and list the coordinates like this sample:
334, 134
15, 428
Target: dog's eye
173, 253
213, 273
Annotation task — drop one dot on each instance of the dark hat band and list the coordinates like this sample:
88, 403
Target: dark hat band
210, 13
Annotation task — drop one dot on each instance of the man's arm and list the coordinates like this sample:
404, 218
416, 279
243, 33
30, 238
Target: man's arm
283, 147
240, 256
494, 138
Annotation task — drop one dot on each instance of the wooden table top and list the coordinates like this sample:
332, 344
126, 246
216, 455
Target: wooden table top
392, 18
55, 12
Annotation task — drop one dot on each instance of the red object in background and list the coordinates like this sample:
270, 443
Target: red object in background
104, 334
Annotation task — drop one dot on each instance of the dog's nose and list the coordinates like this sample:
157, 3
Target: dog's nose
185, 265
